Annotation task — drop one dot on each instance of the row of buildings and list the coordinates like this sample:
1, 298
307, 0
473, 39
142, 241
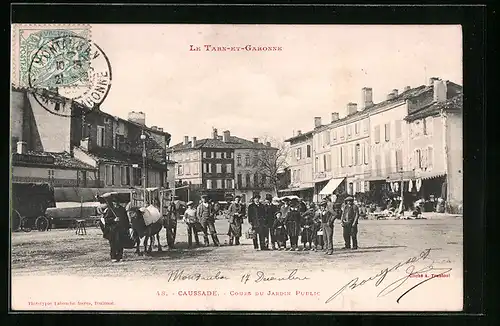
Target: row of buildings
58, 141
410, 141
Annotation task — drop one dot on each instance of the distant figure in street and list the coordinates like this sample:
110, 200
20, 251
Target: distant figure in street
191, 220
207, 220
236, 213
257, 218
327, 218
307, 235
350, 217
279, 231
270, 214
293, 221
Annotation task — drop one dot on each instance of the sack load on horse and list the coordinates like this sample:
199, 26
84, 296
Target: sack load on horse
151, 214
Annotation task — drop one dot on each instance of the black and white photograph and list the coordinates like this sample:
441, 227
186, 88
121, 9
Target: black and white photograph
183, 167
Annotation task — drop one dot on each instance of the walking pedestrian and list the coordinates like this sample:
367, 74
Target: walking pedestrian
256, 218
207, 220
270, 214
350, 217
279, 231
293, 221
191, 220
327, 218
236, 213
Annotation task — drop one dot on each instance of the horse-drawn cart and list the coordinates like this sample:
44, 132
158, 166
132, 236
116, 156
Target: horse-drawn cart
29, 204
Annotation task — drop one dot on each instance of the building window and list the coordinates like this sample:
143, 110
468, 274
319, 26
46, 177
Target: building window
109, 175
100, 136
255, 161
240, 181
255, 179
218, 168
356, 128
349, 131
365, 127
196, 169
357, 156
218, 155
308, 151
376, 134
350, 189
125, 174
209, 184
350, 154
326, 138
204, 154
209, 154
430, 158
367, 152
418, 159
398, 128
238, 160
334, 135
316, 164
378, 166
51, 174
342, 133
223, 155
399, 160
229, 184
427, 126
342, 156
328, 162
298, 153
387, 131
247, 159
221, 184
180, 169
247, 180
137, 175
188, 169
388, 163
229, 168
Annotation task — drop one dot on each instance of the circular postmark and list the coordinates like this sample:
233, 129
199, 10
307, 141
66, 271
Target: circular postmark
70, 67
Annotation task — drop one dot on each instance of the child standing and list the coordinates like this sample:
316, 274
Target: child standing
307, 234
279, 231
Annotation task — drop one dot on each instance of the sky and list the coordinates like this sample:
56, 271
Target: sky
320, 69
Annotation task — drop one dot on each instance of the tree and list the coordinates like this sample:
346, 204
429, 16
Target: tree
273, 161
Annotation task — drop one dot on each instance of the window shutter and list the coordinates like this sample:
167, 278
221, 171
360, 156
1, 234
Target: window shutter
430, 158
376, 135
398, 128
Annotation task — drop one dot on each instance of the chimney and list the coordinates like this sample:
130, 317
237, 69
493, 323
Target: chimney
154, 128
432, 79
317, 122
160, 129
219, 137
299, 132
335, 116
214, 133
440, 91
85, 143
137, 117
256, 140
186, 140
268, 144
22, 147
351, 108
225, 137
390, 96
193, 142
366, 97
406, 89
395, 92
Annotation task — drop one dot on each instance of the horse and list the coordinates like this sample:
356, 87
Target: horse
141, 230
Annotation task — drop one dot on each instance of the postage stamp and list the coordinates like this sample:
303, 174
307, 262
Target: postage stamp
61, 60
334, 185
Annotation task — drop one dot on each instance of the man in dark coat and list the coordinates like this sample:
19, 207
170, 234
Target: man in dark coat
117, 224
257, 218
327, 218
270, 215
293, 221
236, 213
350, 217
205, 215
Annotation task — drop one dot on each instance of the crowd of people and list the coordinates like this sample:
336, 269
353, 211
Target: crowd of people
277, 224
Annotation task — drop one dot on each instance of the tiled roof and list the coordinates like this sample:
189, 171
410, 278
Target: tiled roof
453, 104
109, 155
233, 143
60, 160
302, 135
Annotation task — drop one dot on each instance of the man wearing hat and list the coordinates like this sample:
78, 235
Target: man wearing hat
350, 217
285, 207
293, 220
117, 224
191, 220
270, 214
256, 218
236, 213
207, 220
327, 218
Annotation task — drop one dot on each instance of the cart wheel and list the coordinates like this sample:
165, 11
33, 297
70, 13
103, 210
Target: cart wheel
25, 224
42, 223
16, 220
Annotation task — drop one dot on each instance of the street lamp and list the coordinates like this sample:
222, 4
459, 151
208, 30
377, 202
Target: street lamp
143, 138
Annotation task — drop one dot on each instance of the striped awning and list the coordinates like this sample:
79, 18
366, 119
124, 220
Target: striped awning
431, 176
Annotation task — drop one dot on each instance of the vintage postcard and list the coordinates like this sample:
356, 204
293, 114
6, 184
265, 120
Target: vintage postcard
236, 167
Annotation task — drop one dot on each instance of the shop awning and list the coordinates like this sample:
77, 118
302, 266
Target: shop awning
331, 186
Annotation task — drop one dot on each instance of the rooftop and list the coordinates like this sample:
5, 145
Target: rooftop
453, 104
110, 155
232, 143
62, 160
